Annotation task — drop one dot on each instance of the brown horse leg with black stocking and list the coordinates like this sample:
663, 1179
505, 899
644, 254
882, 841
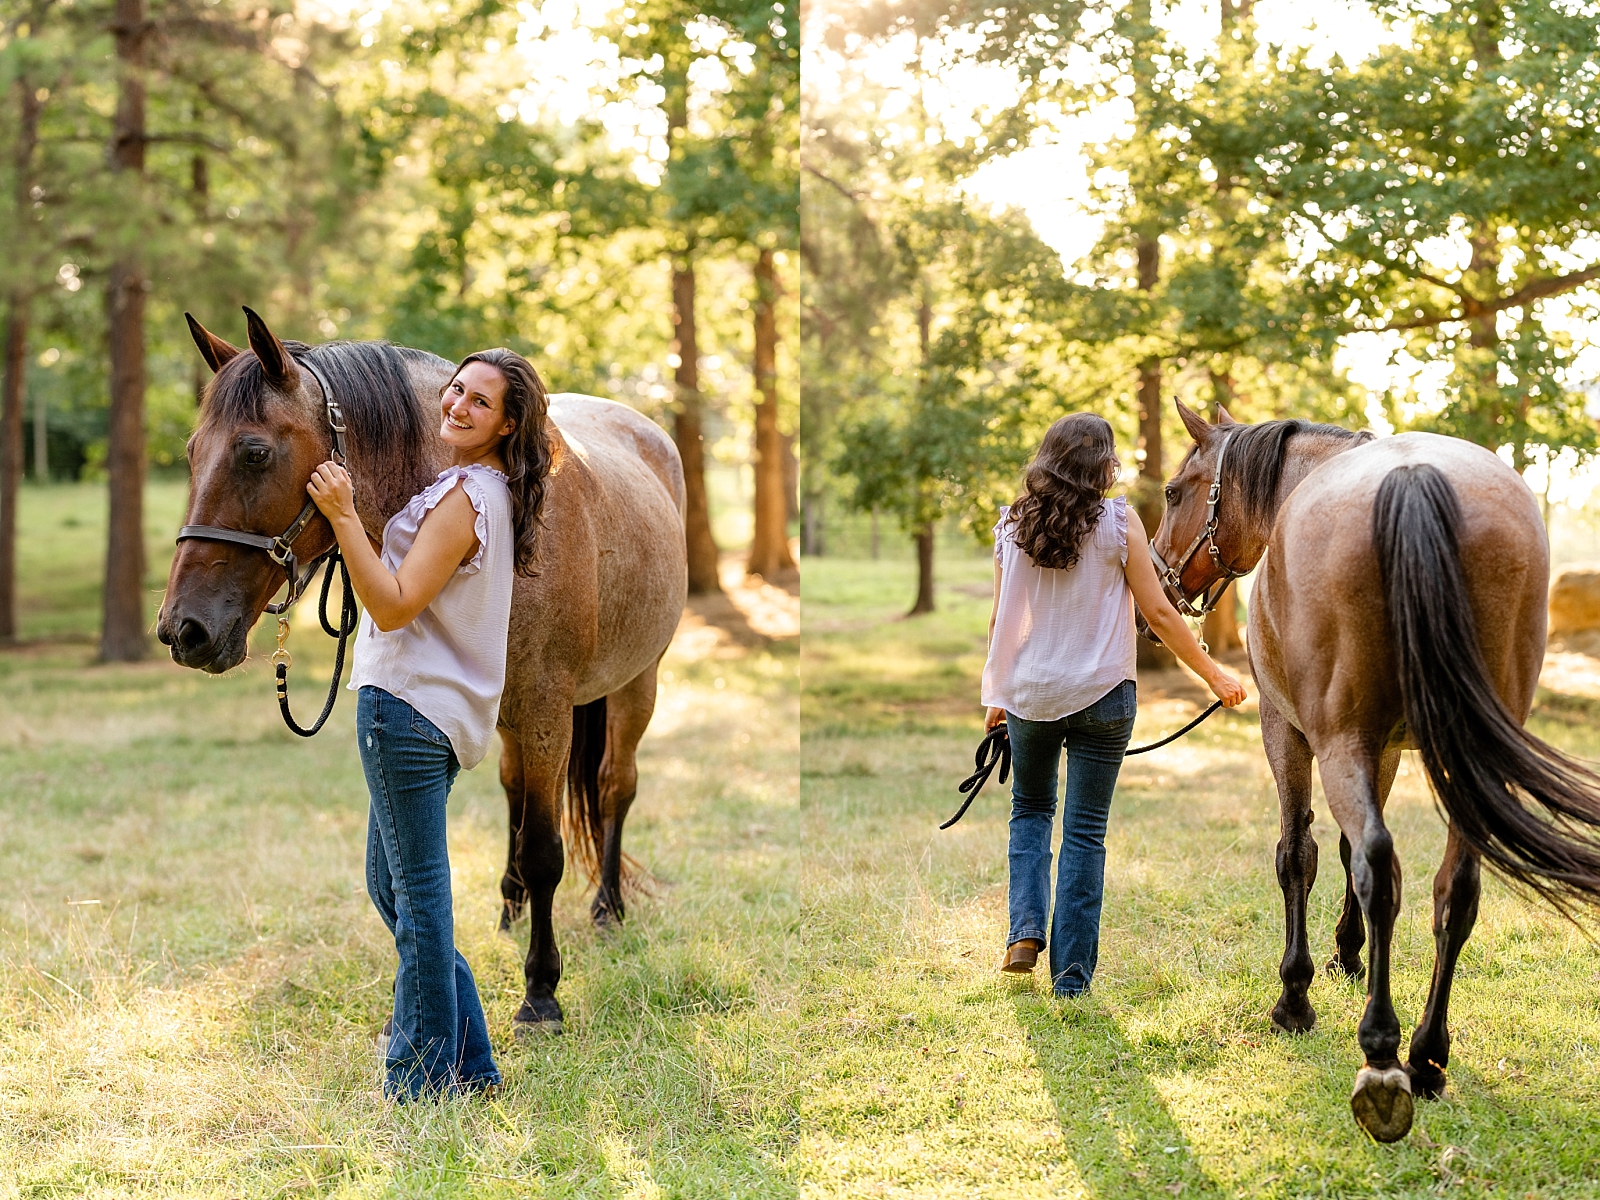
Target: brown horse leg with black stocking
1455, 910
1290, 757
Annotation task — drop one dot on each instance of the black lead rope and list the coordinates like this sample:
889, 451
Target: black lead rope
348, 616
995, 749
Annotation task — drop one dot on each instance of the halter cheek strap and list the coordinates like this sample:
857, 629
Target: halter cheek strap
280, 549
1171, 576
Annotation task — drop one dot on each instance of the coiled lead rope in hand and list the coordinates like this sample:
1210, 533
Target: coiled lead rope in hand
996, 749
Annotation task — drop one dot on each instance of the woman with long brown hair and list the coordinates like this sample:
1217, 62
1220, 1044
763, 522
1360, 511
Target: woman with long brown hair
430, 665
1069, 565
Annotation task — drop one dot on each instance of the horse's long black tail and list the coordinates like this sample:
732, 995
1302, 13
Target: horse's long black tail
584, 819
1531, 811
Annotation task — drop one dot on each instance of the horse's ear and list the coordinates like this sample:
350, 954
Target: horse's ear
213, 349
1192, 421
1223, 418
275, 360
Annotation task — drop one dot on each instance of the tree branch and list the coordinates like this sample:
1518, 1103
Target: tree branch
1539, 289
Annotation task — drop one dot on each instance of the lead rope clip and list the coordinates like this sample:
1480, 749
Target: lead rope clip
281, 656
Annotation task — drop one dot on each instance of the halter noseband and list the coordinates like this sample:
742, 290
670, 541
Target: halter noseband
1171, 577
280, 549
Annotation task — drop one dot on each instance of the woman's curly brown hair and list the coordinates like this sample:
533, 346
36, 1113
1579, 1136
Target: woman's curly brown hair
525, 450
1063, 490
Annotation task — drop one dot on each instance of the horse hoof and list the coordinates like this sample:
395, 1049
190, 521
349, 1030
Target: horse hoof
537, 1018
532, 1031
1427, 1081
1294, 1018
510, 914
1339, 969
605, 920
1381, 1102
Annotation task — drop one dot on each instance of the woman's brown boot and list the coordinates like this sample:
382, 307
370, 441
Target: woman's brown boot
1021, 956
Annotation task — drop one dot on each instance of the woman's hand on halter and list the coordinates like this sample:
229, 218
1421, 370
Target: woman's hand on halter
446, 539
330, 488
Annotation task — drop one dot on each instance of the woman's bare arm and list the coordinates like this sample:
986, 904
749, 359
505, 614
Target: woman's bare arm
1166, 622
995, 716
446, 538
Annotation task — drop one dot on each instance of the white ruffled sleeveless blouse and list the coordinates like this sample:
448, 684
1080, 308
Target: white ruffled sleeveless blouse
1062, 639
449, 662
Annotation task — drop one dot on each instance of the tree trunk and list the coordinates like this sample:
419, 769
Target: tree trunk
691, 442
813, 542
1220, 629
769, 548
16, 362
122, 636
41, 439
11, 460
924, 540
1149, 502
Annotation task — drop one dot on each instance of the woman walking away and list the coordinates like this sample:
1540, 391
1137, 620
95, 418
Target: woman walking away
430, 663
1069, 565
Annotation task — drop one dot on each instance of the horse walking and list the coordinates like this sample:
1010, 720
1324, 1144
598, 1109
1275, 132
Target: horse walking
586, 633
1401, 603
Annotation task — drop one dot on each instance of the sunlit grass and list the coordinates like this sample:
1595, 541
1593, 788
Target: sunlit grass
191, 974
929, 1075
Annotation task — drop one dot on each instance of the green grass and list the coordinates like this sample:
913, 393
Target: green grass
806, 1003
191, 974
927, 1074
61, 555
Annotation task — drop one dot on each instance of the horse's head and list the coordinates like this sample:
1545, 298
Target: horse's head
1191, 548
262, 432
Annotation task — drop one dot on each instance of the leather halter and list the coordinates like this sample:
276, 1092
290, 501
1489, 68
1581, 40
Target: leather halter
1171, 577
280, 549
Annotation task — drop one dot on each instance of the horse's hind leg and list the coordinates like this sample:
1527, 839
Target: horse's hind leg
628, 712
514, 896
542, 747
1351, 933
1455, 911
1381, 1100
1290, 757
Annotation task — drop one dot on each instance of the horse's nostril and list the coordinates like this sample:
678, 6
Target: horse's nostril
192, 635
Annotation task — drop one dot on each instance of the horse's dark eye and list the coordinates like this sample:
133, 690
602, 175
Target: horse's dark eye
256, 455
1172, 494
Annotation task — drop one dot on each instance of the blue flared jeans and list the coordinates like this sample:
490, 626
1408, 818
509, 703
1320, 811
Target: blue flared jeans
440, 1041
1095, 738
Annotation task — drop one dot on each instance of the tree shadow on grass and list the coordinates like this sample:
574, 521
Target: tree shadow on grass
1115, 1126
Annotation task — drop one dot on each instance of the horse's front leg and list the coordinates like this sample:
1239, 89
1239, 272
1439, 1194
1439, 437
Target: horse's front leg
513, 895
1455, 910
1381, 1100
1290, 757
540, 861
628, 713
1351, 933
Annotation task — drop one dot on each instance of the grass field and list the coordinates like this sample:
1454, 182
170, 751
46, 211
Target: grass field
191, 974
804, 1006
928, 1075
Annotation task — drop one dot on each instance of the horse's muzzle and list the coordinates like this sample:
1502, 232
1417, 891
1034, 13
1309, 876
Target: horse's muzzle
206, 644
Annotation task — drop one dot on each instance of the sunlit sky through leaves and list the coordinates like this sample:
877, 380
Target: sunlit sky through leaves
561, 67
1049, 180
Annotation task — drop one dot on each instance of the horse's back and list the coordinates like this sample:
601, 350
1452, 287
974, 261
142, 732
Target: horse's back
615, 437
1324, 589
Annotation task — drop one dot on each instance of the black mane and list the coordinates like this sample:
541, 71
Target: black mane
1256, 454
368, 379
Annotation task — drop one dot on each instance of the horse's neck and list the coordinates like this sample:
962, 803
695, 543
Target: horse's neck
383, 487
1304, 454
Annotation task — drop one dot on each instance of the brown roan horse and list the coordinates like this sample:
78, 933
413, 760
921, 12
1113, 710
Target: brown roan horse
1400, 603
586, 632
